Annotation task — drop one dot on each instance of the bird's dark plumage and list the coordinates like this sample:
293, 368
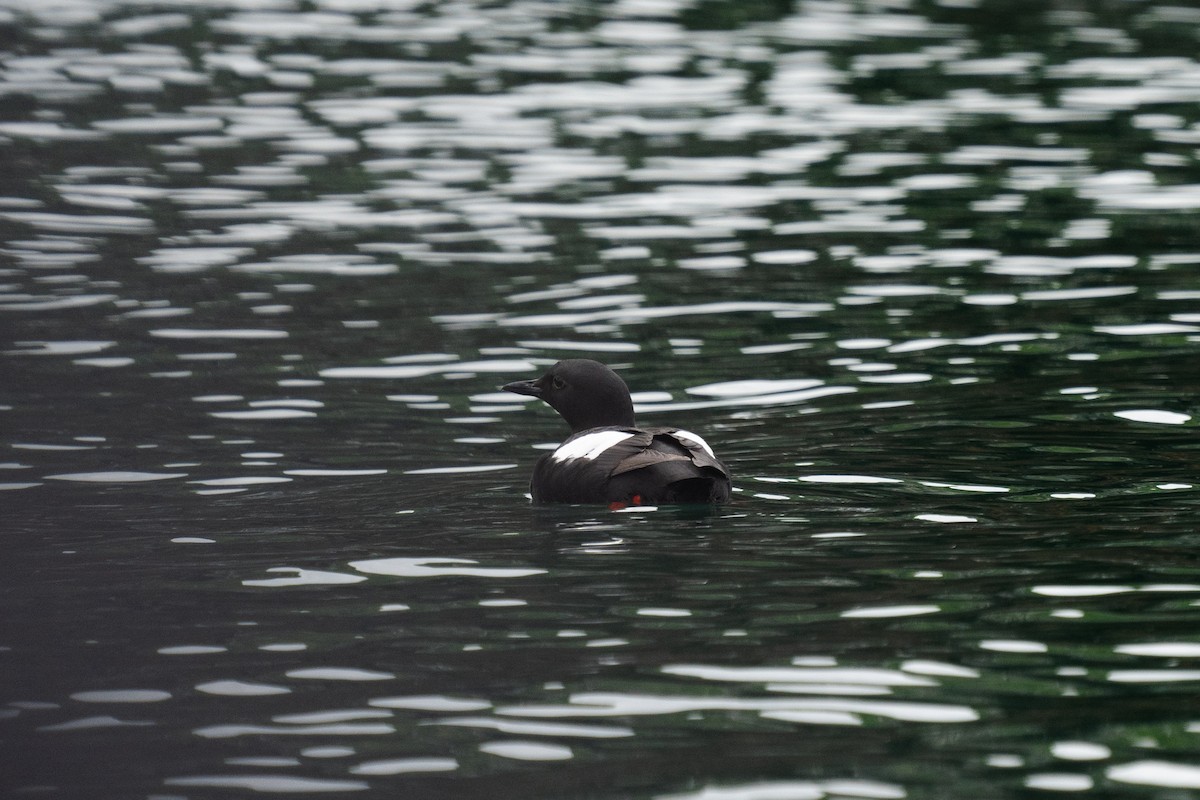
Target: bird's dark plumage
607, 458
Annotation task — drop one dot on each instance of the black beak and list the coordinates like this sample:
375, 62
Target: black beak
530, 388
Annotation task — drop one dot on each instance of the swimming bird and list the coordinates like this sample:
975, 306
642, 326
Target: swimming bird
608, 458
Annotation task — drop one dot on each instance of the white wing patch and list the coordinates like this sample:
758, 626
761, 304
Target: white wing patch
590, 446
688, 436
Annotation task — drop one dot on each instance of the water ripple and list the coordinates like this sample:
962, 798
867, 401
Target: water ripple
926, 272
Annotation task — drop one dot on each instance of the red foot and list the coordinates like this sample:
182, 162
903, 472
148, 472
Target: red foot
617, 505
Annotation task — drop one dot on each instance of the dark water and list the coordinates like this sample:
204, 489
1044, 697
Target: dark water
924, 273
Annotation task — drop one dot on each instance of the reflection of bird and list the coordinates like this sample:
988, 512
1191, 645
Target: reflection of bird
607, 458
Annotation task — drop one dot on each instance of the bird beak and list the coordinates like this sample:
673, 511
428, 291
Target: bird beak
530, 388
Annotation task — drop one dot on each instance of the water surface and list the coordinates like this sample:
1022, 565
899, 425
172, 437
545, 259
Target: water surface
923, 273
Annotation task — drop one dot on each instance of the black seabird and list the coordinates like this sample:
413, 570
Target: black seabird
607, 458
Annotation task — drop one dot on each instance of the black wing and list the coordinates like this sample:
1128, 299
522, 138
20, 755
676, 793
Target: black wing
628, 465
676, 467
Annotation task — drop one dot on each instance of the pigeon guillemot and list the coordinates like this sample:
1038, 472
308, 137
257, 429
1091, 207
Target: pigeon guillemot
607, 458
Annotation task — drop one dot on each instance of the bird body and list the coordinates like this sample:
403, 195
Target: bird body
607, 458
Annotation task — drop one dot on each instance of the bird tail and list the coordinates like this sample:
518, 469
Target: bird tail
700, 490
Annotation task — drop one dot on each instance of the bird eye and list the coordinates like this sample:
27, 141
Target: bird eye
559, 383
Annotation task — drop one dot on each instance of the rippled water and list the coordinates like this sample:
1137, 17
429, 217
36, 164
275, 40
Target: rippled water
925, 273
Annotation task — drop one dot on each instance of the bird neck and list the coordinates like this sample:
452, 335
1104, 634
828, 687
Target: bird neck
615, 412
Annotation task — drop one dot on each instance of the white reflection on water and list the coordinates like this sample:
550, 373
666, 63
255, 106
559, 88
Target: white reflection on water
796, 675
89, 224
64, 348
305, 577
54, 448
1083, 293
635, 510
771, 399
321, 717
401, 766
418, 371
438, 567
42, 303
117, 476
235, 688
967, 487
537, 728
263, 761
334, 473
588, 347
527, 751
753, 387
46, 131
470, 468
191, 650
1059, 781
610, 704
1100, 590
886, 612
249, 480
1154, 416
192, 259
1147, 329
634, 315
1080, 751
1161, 649
340, 674
848, 479
225, 333
938, 668
263, 414
794, 790
1012, 646
122, 696
1153, 675
89, 723
662, 612
344, 265
1156, 773
275, 784
431, 702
